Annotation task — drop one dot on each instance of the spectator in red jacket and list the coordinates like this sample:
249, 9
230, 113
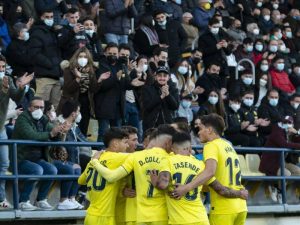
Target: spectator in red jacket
280, 78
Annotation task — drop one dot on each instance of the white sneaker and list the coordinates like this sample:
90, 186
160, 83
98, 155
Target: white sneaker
26, 206
66, 205
279, 197
44, 205
273, 193
5, 205
79, 206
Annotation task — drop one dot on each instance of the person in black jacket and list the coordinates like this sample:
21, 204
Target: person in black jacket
72, 36
159, 100
171, 34
46, 57
295, 76
17, 53
292, 109
240, 86
214, 45
110, 98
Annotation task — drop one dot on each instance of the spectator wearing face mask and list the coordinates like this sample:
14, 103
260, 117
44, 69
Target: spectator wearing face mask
18, 51
46, 57
253, 31
290, 43
33, 125
184, 109
257, 126
214, 104
293, 19
195, 130
245, 51
214, 45
270, 108
265, 23
235, 125
271, 51
292, 109
243, 84
80, 83
262, 85
295, 76
280, 78
197, 64
171, 34
94, 43
258, 51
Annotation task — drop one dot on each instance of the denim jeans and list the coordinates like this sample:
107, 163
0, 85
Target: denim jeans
4, 163
40, 167
118, 39
104, 125
68, 188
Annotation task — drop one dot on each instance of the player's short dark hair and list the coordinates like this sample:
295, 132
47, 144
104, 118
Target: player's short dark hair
113, 133
165, 129
215, 121
181, 137
69, 107
130, 129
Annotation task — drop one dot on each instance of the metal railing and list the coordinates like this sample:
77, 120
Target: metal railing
15, 177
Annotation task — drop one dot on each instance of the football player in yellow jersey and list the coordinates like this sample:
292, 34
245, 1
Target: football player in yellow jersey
151, 202
126, 207
182, 168
221, 162
102, 195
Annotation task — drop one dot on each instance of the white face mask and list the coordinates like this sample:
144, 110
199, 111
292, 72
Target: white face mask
213, 100
267, 17
262, 82
275, 6
264, 67
37, 114
295, 105
26, 88
235, 107
52, 115
259, 4
82, 61
26, 36
259, 47
282, 48
78, 118
182, 70
49, 22
248, 102
214, 30
162, 23
273, 48
86, 1
145, 68
90, 32
256, 31
2, 74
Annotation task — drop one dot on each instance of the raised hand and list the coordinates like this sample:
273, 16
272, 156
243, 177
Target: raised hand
103, 76
137, 83
24, 80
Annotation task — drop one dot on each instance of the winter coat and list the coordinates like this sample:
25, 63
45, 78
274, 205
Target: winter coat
280, 80
158, 111
44, 52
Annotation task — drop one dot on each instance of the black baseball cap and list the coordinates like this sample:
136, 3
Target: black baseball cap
162, 69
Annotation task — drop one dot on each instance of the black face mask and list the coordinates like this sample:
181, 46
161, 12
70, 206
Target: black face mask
161, 63
196, 60
195, 130
123, 60
112, 59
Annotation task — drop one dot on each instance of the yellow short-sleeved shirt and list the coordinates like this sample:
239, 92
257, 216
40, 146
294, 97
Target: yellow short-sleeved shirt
102, 195
151, 202
228, 173
189, 209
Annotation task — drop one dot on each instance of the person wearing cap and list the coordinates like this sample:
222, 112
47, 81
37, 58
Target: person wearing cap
184, 109
18, 51
280, 137
159, 100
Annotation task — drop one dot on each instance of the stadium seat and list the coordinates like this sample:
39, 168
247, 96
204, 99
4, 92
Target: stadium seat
253, 161
243, 166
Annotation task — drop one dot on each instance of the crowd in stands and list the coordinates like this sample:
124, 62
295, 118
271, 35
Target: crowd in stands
143, 63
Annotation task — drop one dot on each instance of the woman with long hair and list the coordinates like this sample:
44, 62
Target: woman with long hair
80, 83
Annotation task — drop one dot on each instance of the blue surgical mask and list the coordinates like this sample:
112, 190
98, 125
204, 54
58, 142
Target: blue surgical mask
273, 101
186, 104
26, 36
264, 68
259, 47
26, 89
289, 34
178, 2
182, 70
247, 80
49, 22
249, 48
280, 66
213, 100
273, 48
248, 102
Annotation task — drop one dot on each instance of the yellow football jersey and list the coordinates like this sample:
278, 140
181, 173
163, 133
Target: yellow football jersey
130, 214
228, 173
189, 209
151, 202
101, 193
121, 204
